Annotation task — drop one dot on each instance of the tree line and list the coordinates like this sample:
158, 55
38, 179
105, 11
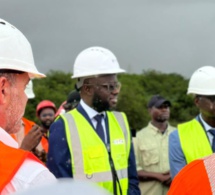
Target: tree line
136, 91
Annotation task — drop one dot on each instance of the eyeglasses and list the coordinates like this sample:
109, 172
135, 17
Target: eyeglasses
48, 114
110, 87
211, 98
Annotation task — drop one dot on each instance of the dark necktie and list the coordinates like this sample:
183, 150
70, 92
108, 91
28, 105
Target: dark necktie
99, 127
212, 132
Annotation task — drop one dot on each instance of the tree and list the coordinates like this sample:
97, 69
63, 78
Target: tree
135, 93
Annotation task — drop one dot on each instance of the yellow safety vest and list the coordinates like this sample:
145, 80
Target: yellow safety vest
90, 159
194, 141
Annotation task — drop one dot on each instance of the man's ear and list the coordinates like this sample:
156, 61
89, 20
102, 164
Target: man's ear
87, 89
196, 101
149, 110
4, 89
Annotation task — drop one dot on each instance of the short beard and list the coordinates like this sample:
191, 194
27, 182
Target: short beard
161, 120
45, 125
100, 105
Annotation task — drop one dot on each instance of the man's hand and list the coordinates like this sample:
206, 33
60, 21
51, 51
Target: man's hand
32, 139
40, 154
164, 178
168, 181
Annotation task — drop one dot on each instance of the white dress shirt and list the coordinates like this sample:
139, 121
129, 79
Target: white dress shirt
30, 173
92, 113
207, 128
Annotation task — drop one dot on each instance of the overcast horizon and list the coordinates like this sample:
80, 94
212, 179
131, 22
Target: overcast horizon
170, 36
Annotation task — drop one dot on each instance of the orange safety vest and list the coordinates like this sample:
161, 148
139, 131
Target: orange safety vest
28, 125
10, 161
194, 178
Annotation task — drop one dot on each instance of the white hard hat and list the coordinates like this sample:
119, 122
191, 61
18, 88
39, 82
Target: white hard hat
202, 81
95, 61
15, 51
29, 90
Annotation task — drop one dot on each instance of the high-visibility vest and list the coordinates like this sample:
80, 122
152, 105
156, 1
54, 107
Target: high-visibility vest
90, 159
194, 141
10, 161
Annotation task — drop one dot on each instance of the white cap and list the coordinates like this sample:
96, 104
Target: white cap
202, 81
95, 61
15, 51
29, 90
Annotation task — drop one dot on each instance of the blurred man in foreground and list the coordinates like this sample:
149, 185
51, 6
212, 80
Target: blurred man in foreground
19, 169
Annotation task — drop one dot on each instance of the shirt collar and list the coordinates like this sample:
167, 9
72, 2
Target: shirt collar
156, 130
206, 126
7, 139
90, 111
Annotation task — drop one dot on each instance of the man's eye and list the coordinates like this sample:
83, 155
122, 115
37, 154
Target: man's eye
105, 86
111, 87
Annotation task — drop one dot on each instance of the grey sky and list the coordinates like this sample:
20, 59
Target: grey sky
169, 35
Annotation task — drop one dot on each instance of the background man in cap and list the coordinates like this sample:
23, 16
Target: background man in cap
195, 139
152, 149
72, 101
91, 142
19, 169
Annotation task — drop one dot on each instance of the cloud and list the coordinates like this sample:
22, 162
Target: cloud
168, 36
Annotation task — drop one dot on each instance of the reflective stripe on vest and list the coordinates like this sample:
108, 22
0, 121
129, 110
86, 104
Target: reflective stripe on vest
194, 141
90, 159
209, 167
124, 126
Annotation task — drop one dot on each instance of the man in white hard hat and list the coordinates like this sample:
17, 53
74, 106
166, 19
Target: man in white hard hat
19, 169
91, 142
195, 139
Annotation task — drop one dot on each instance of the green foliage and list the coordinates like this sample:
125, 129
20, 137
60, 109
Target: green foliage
135, 93
132, 101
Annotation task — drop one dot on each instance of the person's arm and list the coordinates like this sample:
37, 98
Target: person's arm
58, 158
150, 176
176, 156
133, 188
145, 176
